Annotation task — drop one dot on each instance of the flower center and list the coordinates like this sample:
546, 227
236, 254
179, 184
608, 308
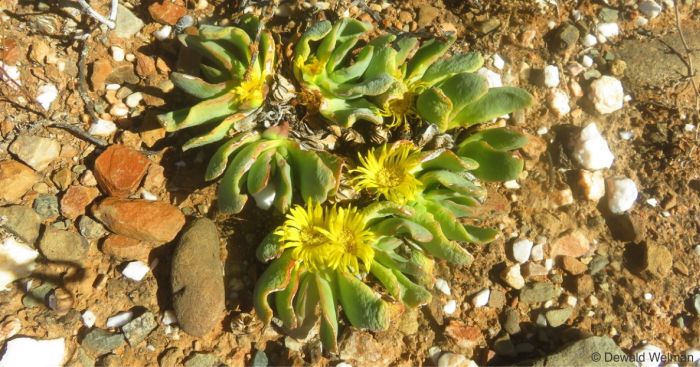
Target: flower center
390, 176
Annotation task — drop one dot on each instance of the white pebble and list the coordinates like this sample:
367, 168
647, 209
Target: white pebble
521, 250
442, 286
46, 95
512, 276
665, 214
648, 356
169, 317
147, 195
25, 351
593, 300
201, 4
571, 301
130, 57
591, 150
626, 135
450, 307
101, 127
537, 252
117, 53
112, 86
641, 21
163, 33
136, 270
119, 110
558, 102
608, 30
551, 76
696, 249
688, 127
17, 261
607, 94
541, 320
511, 185
549, 264
593, 185
266, 196
343, 364
481, 299
88, 318
648, 296
498, 62
622, 193
494, 79
119, 319
134, 99
542, 130
650, 9
12, 72
454, 360
589, 40
652, 202
587, 61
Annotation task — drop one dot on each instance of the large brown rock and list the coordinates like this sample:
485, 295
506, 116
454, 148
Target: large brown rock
153, 221
120, 169
76, 199
166, 12
126, 248
15, 180
197, 278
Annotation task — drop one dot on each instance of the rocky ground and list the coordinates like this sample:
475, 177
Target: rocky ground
599, 252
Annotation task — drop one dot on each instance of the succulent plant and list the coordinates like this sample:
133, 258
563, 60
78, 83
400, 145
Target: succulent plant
331, 82
271, 168
492, 150
433, 191
319, 255
235, 81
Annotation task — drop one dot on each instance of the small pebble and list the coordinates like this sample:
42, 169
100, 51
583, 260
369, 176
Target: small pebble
512, 276
696, 249
498, 62
648, 296
608, 30
134, 99
130, 57
626, 135
119, 110
571, 301
442, 286
136, 270
537, 252
592, 184
689, 127
88, 318
117, 53
112, 86
542, 130
450, 307
163, 33
46, 95
511, 185
481, 299
146, 195
101, 127
622, 193
551, 76
494, 79
119, 319
521, 250
587, 61
650, 9
607, 94
558, 102
589, 40
541, 320
652, 202
169, 317
591, 150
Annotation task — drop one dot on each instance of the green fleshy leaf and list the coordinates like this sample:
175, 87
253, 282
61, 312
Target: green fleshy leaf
412, 294
231, 200
381, 209
284, 301
388, 243
452, 181
368, 87
447, 160
405, 46
383, 62
440, 246
214, 75
402, 226
302, 49
259, 174
219, 161
449, 223
387, 278
219, 132
434, 107
339, 53
315, 179
214, 51
283, 185
197, 87
494, 165
306, 303
355, 70
501, 139
497, 102
481, 235
236, 37
275, 278
249, 23
460, 63
346, 112
463, 89
362, 306
425, 56
329, 319
269, 248
203, 112
267, 54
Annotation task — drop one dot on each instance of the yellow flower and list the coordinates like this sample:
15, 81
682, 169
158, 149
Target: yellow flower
352, 241
327, 240
251, 91
390, 173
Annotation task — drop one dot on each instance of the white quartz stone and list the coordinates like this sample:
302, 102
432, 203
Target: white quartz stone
591, 150
622, 193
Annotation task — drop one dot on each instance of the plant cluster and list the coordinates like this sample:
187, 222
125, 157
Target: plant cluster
325, 255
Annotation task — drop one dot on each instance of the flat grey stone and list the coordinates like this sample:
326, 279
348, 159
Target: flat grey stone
35, 151
21, 221
138, 329
590, 352
98, 342
128, 24
63, 246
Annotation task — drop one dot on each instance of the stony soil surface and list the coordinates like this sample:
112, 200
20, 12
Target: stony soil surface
565, 269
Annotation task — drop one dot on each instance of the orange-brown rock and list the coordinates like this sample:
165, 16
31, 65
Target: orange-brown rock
153, 221
120, 169
125, 248
15, 180
166, 12
76, 199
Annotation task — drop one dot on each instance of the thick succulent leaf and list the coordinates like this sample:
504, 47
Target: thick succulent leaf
339, 53
448, 160
302, 49
250, 24
362, 306
440, 246
275, 278
425, 56
452, 181
306, 302
219, 161
497, 102
214, 51
387, 243
267, 54
381, 209
355, 70
346, 112
463, 89
434, 107
315, 179
284, 301
501, 139
387, 278
460, 63
203, 112
329, 319
481, 235
197, 87
234, 36
259, 174
283, 183
460, 210
215, 75
352, 28
402, 226
383, 62
231, 200
269, 248
420, 266
494, 165
405, 46
368, 87
412, 294
219, 132
449, 223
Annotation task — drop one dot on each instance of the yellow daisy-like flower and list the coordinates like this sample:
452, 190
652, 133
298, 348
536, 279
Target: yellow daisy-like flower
331, 239
250, 91
352, 241
390, 172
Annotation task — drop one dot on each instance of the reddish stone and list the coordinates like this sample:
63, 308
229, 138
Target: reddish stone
145, 66
574, 244
101, 68
76, 199
15, 180
573, 266
464, 336
125, 248
166, 12
153, 221
119, 170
